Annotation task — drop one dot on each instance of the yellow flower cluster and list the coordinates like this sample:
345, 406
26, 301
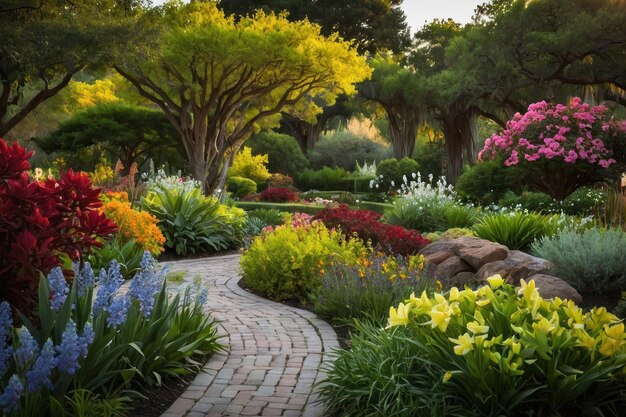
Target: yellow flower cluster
390, 267
512, 328
138, 225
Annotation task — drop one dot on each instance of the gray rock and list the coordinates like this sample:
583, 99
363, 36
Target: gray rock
452, 266
518, 265
478, 252
550, 286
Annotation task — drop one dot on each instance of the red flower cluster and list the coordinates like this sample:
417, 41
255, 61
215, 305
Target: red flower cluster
366, 225
278, 195
40, 221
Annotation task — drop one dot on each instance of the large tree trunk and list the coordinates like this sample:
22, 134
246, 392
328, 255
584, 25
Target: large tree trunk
306, 134
460, 131
403, 127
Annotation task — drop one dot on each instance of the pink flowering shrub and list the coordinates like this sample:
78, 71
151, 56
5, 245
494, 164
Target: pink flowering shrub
567, 145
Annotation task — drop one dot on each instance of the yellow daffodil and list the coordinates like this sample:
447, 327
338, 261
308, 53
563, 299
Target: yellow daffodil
454, 294
477, 328
609, 346
439, 319
528, 290
483, 302
495, 281
399, 317
543, 326
615, 332
447, 376
464, 344
584, 339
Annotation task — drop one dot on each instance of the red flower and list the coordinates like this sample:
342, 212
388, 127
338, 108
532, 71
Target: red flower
278, 195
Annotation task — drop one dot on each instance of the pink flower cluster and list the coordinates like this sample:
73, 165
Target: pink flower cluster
573, 133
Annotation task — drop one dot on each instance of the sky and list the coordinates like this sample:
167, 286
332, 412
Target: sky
419, 12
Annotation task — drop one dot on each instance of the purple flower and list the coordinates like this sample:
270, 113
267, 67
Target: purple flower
85, 279
146, 284
6, 324
109, 282
10, 398
202, 297
87, 339
117, 310
39, 375
58, 288
27, 349
71, 349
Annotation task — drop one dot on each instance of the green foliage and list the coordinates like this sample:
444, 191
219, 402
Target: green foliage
192, 222
425, 216
249, 166
283, 152
366, 290
516, 230
85, 403
288, 263
430, 156
454, 233
383, 375
260, 218
487, 181
459, 215
329, 179
290, 208
128, 133
240, 187
592, 261
582, 202
390, 172
344, 149
128, 255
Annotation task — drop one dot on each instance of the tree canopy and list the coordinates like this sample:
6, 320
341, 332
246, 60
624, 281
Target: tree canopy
218, 80
46, 42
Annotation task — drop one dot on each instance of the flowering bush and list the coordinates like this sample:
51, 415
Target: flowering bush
281, 180
138, 334
566, 144
138, 225
503, 349
41, 222
366, 225
171, 182
288, 261
250, 166
278, 195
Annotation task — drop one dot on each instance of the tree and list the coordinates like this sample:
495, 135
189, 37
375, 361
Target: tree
218, 80
45, 43
126, 132
374, 25
399, 91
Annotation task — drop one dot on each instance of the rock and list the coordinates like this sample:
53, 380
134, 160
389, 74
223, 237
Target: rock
478, 252
452, 266
461, 279
516, 266
439, 257
550, 287
439, 246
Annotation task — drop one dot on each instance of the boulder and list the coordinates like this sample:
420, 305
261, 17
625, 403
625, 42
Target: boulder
550, 287
514, 267
462, 279
478, 252
438, 246
452, 266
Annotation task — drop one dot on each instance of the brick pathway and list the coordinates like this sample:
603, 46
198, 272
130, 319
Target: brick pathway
273, 356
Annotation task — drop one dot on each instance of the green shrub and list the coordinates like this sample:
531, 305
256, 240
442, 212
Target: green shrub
455, 233
362, 184
344, 149
423, 216
192, 222
284, 153
240, 187
128, 255
367, 289
486, 182
430, 156
495, 351
289, 208
390, 172
287, 263
593, 261
271, 217
515, 230
459, 215
325, 179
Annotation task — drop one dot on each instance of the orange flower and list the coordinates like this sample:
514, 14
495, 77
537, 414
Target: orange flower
138, 225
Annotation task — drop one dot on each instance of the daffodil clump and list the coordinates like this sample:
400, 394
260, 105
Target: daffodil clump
289, 261
504, 350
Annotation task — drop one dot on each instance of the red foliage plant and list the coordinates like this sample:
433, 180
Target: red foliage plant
366, 225
40, 222
278, 195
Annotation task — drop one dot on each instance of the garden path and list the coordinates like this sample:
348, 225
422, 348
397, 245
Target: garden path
274, 352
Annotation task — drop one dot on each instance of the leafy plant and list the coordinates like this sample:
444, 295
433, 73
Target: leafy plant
367, 289
460, 215
501, 350
192, 222
271, 217
283, 152
128, 255
391, 173
515, 230
487, 181
42, 223
343, 150
279, 195
240, 187
327, 179
287, 262
592, 261
249, 166
411, 214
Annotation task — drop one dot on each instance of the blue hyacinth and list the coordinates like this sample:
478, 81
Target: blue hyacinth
39, 375
202, 296
146, 284
109, 282
58, 288
85, 279
10, 398
87, 339
6, 324
27, 349
118, 309
71, 349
